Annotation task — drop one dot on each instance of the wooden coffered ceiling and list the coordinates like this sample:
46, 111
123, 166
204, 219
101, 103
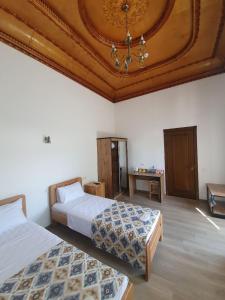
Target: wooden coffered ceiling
185, 39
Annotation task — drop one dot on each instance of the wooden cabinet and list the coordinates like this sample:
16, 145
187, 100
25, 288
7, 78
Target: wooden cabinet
113, 165
95, 188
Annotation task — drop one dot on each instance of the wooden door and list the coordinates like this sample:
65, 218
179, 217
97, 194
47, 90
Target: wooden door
181, 162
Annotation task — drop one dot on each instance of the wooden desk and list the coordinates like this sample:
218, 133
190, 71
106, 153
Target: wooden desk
145, 176
217, 208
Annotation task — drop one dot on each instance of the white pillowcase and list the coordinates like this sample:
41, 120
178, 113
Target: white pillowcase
11, 215
69, 192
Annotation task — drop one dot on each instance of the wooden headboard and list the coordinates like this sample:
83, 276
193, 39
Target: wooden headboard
53, 188
13, 199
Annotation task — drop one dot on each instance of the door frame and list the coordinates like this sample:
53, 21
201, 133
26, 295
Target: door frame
171, 130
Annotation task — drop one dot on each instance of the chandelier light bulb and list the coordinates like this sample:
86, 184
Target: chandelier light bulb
141, 58
114, 48
142, 41
117, 63
128, 38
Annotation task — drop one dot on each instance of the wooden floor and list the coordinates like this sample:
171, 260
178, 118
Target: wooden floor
189, 262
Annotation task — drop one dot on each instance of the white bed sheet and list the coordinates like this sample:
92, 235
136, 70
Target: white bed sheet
82, 211
21, 245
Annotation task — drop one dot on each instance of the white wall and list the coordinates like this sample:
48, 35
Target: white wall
200, 103
35, 101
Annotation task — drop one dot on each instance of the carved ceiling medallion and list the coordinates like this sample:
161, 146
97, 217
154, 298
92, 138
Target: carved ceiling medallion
145, 17
113, 12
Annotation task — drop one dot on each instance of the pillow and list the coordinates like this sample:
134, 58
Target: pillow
69, 192
11, 215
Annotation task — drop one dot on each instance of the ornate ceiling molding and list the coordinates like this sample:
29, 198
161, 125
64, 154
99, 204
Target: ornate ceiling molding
35, 29
195, 16
169, 84
196, 55
220, 30
63, 25
212, 56
56, 66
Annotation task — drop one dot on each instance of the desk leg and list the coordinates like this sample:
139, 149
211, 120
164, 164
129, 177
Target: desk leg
207, 193
162, 191
131, 185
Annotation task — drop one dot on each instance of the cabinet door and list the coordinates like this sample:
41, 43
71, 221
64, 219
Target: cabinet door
115, 168
105, 165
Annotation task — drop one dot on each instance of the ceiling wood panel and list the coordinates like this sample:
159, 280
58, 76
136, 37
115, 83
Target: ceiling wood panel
185, 39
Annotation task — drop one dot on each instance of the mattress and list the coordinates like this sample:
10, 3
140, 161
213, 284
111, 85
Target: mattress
81, 211
21, 245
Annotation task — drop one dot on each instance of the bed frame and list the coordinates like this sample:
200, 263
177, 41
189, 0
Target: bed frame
14, 199
61, 218
128, 294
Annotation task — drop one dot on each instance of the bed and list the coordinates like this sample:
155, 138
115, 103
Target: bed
36, 264
79, 216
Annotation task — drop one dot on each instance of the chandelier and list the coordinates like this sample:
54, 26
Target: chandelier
123, 61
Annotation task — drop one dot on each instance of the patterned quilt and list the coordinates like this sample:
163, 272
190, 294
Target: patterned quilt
121, 231
65, 272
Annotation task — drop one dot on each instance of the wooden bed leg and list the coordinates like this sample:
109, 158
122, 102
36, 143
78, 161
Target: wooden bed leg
147, 273
161, 225
152, 245
148, 263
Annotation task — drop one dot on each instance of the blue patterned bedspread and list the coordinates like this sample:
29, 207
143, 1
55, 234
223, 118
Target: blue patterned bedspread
121, 231
65, 272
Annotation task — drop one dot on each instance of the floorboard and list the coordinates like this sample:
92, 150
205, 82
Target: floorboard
189, 263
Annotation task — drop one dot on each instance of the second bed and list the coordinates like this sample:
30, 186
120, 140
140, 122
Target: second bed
128, 231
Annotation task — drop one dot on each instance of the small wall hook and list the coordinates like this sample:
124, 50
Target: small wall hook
47, 139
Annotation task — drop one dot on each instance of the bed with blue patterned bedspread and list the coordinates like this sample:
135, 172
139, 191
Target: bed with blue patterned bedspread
64, 272
124, 230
